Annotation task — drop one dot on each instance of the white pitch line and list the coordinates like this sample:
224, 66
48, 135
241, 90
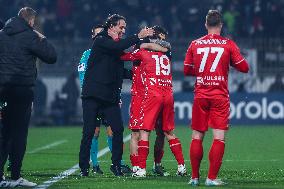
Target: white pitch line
73, 169
47, 146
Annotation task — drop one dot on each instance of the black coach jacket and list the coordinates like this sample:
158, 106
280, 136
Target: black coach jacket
105, 71
20, 46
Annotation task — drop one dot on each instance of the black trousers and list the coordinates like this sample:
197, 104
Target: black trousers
112, 115
14, 128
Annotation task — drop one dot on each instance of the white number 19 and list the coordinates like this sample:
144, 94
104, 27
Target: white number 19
206, 51
166, 69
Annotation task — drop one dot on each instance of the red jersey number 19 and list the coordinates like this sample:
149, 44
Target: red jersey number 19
165, 69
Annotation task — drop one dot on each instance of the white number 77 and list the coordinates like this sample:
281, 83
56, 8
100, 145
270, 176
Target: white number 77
206, 50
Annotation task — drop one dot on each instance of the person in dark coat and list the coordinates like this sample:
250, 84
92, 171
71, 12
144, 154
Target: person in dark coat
20, 46
102, 87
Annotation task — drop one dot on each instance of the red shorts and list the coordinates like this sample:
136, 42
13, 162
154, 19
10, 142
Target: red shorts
135, 112
212, 113
155, 106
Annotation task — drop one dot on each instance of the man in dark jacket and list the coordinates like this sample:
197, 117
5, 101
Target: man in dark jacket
102, 86
20, 46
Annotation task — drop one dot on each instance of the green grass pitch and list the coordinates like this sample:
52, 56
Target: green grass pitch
254, 158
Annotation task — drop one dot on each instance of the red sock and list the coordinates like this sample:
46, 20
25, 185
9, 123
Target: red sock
215, 158
196, 155
176, 149
143, 151
158, 155
134, 158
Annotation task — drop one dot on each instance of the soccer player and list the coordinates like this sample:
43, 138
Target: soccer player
137, 93
209, 58
94, 146
157, 101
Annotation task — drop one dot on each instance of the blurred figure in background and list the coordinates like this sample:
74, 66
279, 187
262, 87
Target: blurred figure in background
278, 85
71, 90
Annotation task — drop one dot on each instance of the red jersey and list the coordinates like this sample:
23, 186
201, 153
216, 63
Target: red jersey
208, 58
155, 69
137, 87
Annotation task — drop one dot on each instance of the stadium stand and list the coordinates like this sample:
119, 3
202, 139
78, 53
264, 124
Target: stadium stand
255, 25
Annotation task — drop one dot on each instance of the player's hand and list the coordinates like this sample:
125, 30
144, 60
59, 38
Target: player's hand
39, 34
145, 32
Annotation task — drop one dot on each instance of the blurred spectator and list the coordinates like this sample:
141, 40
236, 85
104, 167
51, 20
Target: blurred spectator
230, 19
57, 113
39, 104
71, 91
180, 17
187, 86
241, 87
278, 85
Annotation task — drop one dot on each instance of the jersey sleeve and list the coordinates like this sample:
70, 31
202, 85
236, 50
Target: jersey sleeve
83, 66
237, 60
133, 56
188, 68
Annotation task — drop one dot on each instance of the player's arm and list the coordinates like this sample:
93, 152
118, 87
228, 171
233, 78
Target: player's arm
83, 66
188, 66
41, 48
120, 45
237, 60
162, 43
131, 56
154, 47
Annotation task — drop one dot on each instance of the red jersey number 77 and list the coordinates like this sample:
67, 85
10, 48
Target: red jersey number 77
206, 51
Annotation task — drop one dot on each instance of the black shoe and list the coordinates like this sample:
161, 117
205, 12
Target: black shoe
159, 170
116, 170
125, 169
97, 170
84, 172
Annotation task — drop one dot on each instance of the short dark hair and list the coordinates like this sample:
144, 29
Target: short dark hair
112, 20
213, 18
27, 13
159, 30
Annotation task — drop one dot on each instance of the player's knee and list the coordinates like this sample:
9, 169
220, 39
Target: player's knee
170, 135
135, 135
144, 135
219, 134
197, 135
